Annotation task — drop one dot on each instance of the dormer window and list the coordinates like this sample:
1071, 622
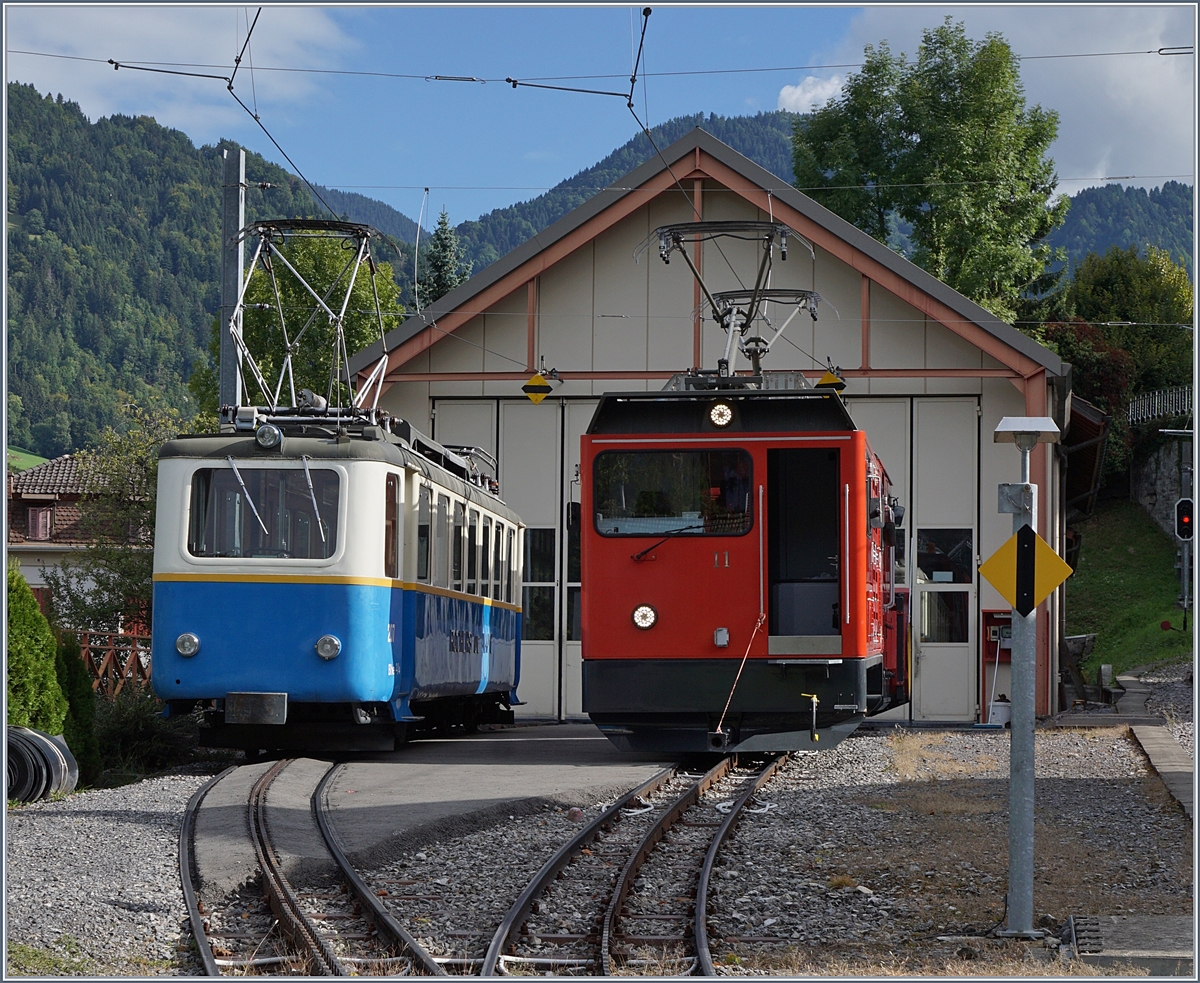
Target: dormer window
40, 522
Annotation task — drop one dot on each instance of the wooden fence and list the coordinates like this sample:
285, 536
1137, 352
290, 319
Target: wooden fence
115, 659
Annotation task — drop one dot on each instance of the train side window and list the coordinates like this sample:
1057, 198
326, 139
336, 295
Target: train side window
497, 552
456, 540
485, 577
391, 526
511, 575
472, 552
423, 516
442, 551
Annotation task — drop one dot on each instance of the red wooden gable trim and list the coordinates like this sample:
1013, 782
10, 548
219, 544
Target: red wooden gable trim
708, 167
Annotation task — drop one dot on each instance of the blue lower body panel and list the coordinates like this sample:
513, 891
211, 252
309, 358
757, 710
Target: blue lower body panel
397, 645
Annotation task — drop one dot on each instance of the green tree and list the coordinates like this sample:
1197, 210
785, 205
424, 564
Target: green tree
948, 144
321, 261
846, 154
109, 584
34, 696
1143, 306
445, 265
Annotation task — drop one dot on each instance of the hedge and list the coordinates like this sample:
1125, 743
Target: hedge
34, 697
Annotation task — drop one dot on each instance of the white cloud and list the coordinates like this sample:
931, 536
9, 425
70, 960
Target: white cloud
812, 93
1118, 115
200, 36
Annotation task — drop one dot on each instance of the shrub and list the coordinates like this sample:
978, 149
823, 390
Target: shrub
34, 697
79, 728
134, 737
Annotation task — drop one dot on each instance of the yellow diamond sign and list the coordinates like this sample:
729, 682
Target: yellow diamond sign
537, 388
1025, 570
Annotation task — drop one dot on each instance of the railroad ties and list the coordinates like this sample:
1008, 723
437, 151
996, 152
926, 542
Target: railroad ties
627, 893
637, 875
268, 927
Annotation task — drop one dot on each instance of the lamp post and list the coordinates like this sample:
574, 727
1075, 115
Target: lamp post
1020, 499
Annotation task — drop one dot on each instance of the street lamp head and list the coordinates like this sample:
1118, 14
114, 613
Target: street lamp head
1025, 431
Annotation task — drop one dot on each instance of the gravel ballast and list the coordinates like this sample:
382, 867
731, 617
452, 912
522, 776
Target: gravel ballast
872, 852
93, 881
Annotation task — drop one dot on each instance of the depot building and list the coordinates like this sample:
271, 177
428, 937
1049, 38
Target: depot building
929, 376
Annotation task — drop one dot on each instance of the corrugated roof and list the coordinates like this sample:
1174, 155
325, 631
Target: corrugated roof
753, 173
57, 477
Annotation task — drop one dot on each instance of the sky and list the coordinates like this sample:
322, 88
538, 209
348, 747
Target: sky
480, 145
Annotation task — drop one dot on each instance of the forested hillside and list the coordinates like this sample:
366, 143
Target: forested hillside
114, 263
1124, 217
764, 138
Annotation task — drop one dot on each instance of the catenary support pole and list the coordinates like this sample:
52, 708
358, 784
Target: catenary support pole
233, 218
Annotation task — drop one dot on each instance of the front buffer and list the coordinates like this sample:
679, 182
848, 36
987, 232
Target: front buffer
675, 705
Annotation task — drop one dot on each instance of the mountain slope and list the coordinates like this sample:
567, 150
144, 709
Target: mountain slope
765, 138
1124, 217
360, 208
114, 264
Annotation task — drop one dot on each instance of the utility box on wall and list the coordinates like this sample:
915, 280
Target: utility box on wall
995, 671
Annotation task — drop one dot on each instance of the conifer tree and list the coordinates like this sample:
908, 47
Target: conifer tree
445, 263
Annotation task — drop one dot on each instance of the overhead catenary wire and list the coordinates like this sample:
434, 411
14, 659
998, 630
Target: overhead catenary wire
1165, 51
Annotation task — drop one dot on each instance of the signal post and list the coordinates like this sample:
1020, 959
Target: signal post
1025, 570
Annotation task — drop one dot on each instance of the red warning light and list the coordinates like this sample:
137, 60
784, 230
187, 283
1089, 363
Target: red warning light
1183, 518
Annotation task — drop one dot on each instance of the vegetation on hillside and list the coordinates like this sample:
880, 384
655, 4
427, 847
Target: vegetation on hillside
1128, 218
114, 264
764, 138
1124, 588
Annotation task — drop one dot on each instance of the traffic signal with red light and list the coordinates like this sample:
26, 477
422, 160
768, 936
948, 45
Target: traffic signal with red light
1183, 518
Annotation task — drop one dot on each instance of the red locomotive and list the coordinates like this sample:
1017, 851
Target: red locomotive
738, 571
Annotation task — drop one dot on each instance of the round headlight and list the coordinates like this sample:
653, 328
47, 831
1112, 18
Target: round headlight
187, 644
268, 436
644, 616
328, 647
721, 414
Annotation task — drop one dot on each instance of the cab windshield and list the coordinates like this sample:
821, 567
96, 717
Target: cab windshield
676, 492
264, 512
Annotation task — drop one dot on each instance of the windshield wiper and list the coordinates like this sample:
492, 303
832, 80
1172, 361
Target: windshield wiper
245, 491
313, 495
673, 533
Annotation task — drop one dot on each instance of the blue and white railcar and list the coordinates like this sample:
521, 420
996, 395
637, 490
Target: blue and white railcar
329, 585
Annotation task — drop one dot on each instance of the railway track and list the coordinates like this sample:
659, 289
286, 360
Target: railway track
633, 883
272, 927
628, 892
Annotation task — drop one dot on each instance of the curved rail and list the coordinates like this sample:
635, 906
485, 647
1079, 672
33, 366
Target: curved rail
653, 835
280, 896
703, 954
541, 880
375, 909
186, 831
